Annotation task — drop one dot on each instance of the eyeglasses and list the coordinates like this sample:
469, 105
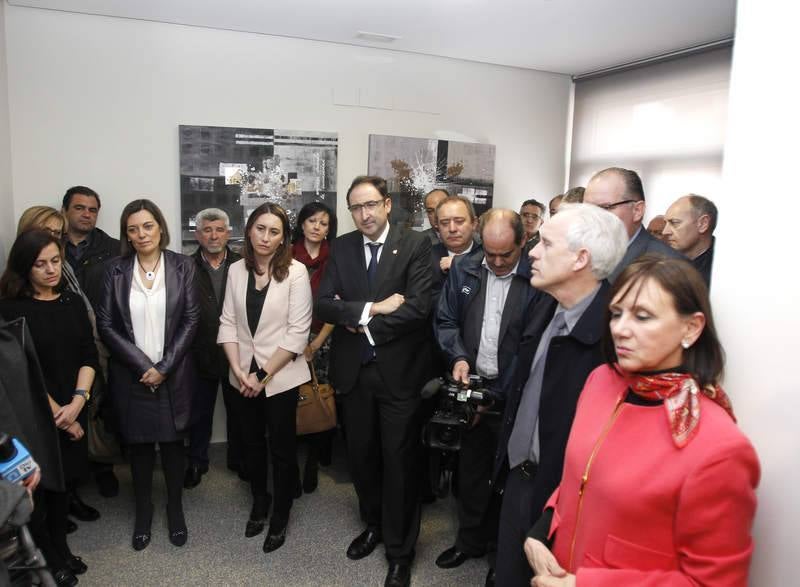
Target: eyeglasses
370, 206
530, 216
610, 207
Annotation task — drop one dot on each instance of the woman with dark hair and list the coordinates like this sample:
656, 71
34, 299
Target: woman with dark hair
264, 329
316, 227
31, 287
147, 318
658, 486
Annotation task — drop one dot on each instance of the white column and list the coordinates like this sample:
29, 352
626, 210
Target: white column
756, 286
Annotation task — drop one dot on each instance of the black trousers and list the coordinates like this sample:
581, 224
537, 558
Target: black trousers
276, 415
517, 517
203, 402
48, 524
478, 512
383, 447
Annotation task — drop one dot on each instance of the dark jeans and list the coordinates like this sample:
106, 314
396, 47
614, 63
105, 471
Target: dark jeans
276, 415
203, 402
477, 511
516, 519
383, 446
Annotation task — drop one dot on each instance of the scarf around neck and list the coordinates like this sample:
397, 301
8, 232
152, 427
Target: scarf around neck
679, 392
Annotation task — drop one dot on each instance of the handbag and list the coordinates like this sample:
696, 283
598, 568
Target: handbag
316, 406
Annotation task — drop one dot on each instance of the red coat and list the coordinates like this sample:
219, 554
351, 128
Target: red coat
652, 514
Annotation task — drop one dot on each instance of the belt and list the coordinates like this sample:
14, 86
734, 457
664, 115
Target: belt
527, 469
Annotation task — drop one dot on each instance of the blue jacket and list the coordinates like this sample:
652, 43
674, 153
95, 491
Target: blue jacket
458, 319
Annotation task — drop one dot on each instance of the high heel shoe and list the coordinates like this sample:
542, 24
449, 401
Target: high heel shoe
176, 523
258, 515
76, 565
276, 536
141, 529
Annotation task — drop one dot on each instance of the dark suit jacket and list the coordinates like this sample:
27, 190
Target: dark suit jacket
458, 318
569, 361
643, 243
128, 363
402, 339
208, 355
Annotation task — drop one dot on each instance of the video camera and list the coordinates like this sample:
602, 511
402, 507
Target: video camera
457, 407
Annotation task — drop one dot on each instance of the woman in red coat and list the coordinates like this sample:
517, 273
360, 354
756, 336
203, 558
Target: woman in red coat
658, 487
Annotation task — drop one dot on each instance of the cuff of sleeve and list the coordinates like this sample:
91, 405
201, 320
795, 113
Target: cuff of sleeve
365, 317
369, 336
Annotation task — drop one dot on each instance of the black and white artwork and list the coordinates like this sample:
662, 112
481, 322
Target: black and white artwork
413, 167
238, 169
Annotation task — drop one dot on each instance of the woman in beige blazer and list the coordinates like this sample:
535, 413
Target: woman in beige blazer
266, 317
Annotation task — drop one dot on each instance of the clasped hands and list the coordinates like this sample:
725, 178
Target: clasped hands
249, 385
384, 307
548, 572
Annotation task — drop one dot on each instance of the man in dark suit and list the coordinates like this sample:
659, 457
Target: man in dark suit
532, 213
376, 291
457, 221
431, 201
560, 347
620, 192
689, 229
478, 325
212, 259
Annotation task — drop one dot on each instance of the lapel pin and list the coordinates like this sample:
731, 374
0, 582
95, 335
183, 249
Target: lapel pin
394, 252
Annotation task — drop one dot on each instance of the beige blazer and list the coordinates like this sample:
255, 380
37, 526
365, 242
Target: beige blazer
285, 322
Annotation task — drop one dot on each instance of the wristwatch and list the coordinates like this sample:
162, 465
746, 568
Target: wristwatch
263, 376
84, 393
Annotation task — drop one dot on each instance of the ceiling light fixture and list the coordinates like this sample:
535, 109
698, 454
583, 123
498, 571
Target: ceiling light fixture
377, 37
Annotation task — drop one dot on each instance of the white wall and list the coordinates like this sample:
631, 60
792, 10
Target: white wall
7, 224
756, 291
98, 101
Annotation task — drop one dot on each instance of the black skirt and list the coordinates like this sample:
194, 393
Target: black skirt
149, 417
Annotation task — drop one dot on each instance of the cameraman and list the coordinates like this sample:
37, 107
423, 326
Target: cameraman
478, 325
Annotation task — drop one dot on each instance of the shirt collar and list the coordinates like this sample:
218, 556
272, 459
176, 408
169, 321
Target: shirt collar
574, 314
507, 275
468, 249
381, 239
635, 234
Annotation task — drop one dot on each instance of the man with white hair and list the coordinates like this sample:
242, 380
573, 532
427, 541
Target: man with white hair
578, 250
213, 257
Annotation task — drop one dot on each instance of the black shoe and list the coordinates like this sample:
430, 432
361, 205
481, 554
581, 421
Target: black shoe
399, 575
76, 565
310, 479
176, 524
275, 537
258, 516
71, 526
194, 474
141, 529
364, 544
243, 475
107, 483
489, 578
80, 510
452, 558
65, 578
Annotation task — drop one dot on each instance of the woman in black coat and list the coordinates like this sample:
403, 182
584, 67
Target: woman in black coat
147, 319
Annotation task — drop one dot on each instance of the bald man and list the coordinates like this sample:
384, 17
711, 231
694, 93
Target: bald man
689, 229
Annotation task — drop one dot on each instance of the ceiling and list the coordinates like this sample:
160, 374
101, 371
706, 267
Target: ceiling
564, 36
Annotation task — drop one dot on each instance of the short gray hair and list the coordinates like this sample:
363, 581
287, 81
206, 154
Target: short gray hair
598, 231
210, 215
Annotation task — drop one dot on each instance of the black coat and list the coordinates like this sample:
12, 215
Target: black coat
92, 266
402, 339
643, 243
569, 361
458, 318
24, 409
128, 363
208, 355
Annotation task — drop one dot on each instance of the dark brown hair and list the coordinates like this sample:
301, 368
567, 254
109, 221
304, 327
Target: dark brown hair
16, 279
705, 359
126, 249
279, 264
377, 182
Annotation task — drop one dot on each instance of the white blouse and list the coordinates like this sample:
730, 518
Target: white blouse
148, 312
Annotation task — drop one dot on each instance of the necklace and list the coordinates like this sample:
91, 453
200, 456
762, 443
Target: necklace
150, 275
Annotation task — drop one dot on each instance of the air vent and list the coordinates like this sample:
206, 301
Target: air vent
377, 37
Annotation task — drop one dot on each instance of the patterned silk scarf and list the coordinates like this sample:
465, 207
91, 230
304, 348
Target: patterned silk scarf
679, 393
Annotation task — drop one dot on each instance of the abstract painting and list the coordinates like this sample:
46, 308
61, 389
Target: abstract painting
238, 169
413, 167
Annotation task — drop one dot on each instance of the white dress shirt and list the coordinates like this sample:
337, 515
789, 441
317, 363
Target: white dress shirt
148, 312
